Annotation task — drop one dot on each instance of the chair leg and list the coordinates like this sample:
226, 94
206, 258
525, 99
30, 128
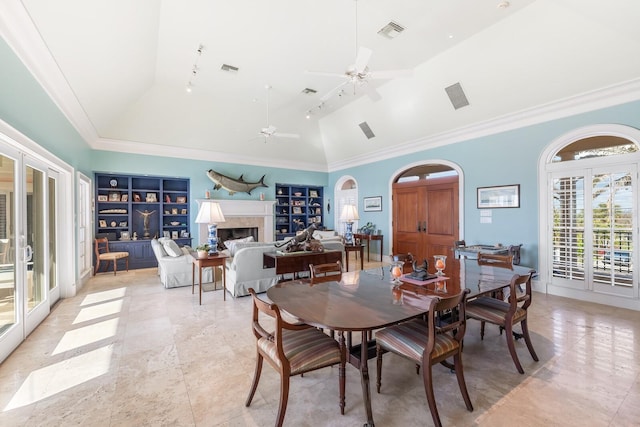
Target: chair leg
256, 379
457, 362
511, 343
481, 330
284, 398
431, 398
379, 368
342, 370
527, 339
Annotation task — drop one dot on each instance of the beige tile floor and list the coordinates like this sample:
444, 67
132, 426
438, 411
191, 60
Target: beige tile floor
127, 352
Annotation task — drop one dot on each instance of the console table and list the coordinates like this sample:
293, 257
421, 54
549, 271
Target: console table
296, 262
369, 238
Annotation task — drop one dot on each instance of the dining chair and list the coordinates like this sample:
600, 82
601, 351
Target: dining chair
291, 350
429, 341
506, 314
325, 272
101, 247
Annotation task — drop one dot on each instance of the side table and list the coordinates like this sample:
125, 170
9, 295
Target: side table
214, 261
369, 238
357, 249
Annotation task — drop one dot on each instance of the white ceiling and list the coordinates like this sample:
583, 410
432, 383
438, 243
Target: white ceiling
119, 68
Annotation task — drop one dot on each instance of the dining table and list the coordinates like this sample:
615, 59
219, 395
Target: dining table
363, 301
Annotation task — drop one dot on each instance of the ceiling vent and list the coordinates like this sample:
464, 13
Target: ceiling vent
230, 68
367, 130
457, 96
391, 30
309, 91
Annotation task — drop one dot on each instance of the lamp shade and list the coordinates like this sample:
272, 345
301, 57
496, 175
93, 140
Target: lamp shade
349, 213
209, 213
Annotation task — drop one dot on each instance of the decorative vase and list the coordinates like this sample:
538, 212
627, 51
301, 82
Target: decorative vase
440, 262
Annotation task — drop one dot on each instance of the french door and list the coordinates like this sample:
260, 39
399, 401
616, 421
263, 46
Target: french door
595, 222
27, 262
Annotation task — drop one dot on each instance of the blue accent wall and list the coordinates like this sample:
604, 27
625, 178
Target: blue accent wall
506, 158
27, 108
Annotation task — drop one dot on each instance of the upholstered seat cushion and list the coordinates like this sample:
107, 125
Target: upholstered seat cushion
306, 350
492, 310
410, 339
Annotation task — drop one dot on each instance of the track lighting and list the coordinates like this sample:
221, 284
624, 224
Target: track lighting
194, 68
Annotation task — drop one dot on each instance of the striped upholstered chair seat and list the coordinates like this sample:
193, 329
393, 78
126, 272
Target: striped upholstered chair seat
493, 310
306, 350
292, 349
410, 339
429, 342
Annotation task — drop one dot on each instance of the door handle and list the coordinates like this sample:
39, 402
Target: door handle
28, 253
424, 226
419, 229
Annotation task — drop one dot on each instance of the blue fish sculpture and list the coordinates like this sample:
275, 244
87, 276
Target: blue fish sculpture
234, 185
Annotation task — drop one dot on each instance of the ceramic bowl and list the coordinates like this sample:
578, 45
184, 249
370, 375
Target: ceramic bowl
175, 223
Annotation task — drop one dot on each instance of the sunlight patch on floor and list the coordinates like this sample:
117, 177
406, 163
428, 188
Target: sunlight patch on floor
86, 335
58, 377
103, 296
101, 310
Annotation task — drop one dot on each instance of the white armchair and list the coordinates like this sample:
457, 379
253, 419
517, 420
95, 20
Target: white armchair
174, 264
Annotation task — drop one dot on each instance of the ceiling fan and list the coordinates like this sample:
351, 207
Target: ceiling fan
358, 74
270, 130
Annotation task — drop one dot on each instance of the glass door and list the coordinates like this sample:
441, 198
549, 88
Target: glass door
32, 243
11, 308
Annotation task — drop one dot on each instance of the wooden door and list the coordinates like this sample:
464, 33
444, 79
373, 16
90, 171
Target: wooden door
425, 218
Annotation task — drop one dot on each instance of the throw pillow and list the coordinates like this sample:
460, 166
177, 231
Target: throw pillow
319, 235
231, 244
171, 248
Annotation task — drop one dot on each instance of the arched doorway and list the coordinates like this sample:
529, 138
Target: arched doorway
346, 193
426, 217
589, 216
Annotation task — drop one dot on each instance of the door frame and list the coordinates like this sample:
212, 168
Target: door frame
461, 205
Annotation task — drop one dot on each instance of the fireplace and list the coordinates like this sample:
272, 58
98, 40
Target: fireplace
225, 234
241, 214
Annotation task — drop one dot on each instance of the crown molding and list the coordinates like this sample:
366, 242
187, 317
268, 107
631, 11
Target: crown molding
594, 100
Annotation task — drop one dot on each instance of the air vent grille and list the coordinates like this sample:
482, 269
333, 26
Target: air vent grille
391, 30
230, 68
367, 130
457, 96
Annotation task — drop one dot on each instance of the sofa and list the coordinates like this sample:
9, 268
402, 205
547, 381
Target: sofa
175, 264
244, 265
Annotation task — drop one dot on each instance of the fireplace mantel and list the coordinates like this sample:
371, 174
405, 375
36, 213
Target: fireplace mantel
245, 213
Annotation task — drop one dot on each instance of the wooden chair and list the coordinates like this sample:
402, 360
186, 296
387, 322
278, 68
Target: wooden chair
292, 350
326, 272
407, 259
103, 254
429, 342
501, 261
506, 314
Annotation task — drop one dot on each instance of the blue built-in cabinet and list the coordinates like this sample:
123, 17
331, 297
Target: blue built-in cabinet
297, 207
133, 209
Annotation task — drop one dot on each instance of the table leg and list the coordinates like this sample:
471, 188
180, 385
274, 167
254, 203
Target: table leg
361, 258
224, 282
368, 250
347, 254
193, 276
381, 246
200, 282
364, 374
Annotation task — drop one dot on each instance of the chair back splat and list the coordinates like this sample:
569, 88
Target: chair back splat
326, 272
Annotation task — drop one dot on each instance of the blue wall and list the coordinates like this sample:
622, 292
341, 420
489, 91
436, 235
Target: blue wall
27, 108
506, 158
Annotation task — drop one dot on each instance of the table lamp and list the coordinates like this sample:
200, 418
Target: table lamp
349, 214
211, 214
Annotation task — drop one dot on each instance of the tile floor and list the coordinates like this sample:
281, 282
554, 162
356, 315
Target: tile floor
127, 352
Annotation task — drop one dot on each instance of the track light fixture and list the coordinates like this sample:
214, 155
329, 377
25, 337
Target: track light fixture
194, 69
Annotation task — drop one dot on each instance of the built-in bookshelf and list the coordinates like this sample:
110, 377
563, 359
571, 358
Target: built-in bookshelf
297, 207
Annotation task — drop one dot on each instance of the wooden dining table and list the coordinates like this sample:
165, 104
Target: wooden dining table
363, 301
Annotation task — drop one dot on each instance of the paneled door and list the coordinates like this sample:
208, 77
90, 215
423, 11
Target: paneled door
425, 218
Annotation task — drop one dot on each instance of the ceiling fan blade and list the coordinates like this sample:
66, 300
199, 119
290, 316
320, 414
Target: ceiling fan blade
286, 135
270, 130
371, 92
334, 91
390, 74
326, 74
364, 54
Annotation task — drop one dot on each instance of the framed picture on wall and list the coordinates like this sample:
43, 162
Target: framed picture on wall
501, 196
372, 204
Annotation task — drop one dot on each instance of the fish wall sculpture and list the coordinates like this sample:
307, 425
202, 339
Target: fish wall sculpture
234, 185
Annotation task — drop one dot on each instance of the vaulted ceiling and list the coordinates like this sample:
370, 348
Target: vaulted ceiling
119, 69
